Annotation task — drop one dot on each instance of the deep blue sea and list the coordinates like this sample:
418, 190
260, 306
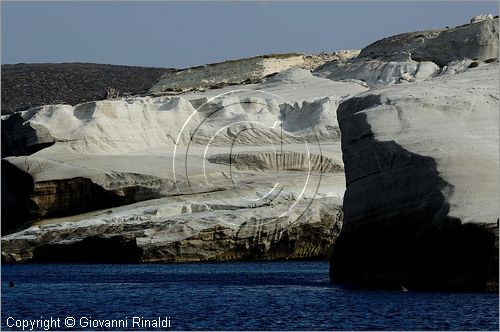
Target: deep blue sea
229, 296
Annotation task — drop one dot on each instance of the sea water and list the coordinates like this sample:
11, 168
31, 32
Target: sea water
224, 296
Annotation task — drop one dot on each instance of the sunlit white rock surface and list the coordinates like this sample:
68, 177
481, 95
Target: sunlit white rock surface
420, 55
242, 70
477, 40
256, 170
421, 164
282, 133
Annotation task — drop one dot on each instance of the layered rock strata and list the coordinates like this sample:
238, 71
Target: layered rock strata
239, 71
182, 232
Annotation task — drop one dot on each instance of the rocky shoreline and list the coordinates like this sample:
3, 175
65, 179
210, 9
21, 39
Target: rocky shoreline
384, 160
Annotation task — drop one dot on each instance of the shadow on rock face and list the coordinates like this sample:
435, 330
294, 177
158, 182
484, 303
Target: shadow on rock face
16, 186
396, 229
18, 138
24, 200
92, 249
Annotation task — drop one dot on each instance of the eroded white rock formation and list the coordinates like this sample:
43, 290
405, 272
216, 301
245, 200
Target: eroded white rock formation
417, 56
453, 121
243, 70
478, 41
167, 230
74, 160
137, 124
399, 67
255, 171
421, 163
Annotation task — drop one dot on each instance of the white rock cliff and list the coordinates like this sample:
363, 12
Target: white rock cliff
252, 157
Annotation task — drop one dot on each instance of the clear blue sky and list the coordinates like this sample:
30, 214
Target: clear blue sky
173, 34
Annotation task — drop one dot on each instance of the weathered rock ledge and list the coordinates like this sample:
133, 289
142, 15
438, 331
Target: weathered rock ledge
183, 232
239, 71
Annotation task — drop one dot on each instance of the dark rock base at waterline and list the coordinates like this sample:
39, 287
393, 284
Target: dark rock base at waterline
93, 249
458, 257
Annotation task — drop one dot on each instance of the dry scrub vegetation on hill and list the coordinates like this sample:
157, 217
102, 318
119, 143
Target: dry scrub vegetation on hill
30, 85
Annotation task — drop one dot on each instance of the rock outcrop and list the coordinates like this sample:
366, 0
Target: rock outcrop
65, 162
34, 188
421, 164
420, 55
389, 70
230, 172
421, 161
139, 123
183, 232
477, 40
239, 71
